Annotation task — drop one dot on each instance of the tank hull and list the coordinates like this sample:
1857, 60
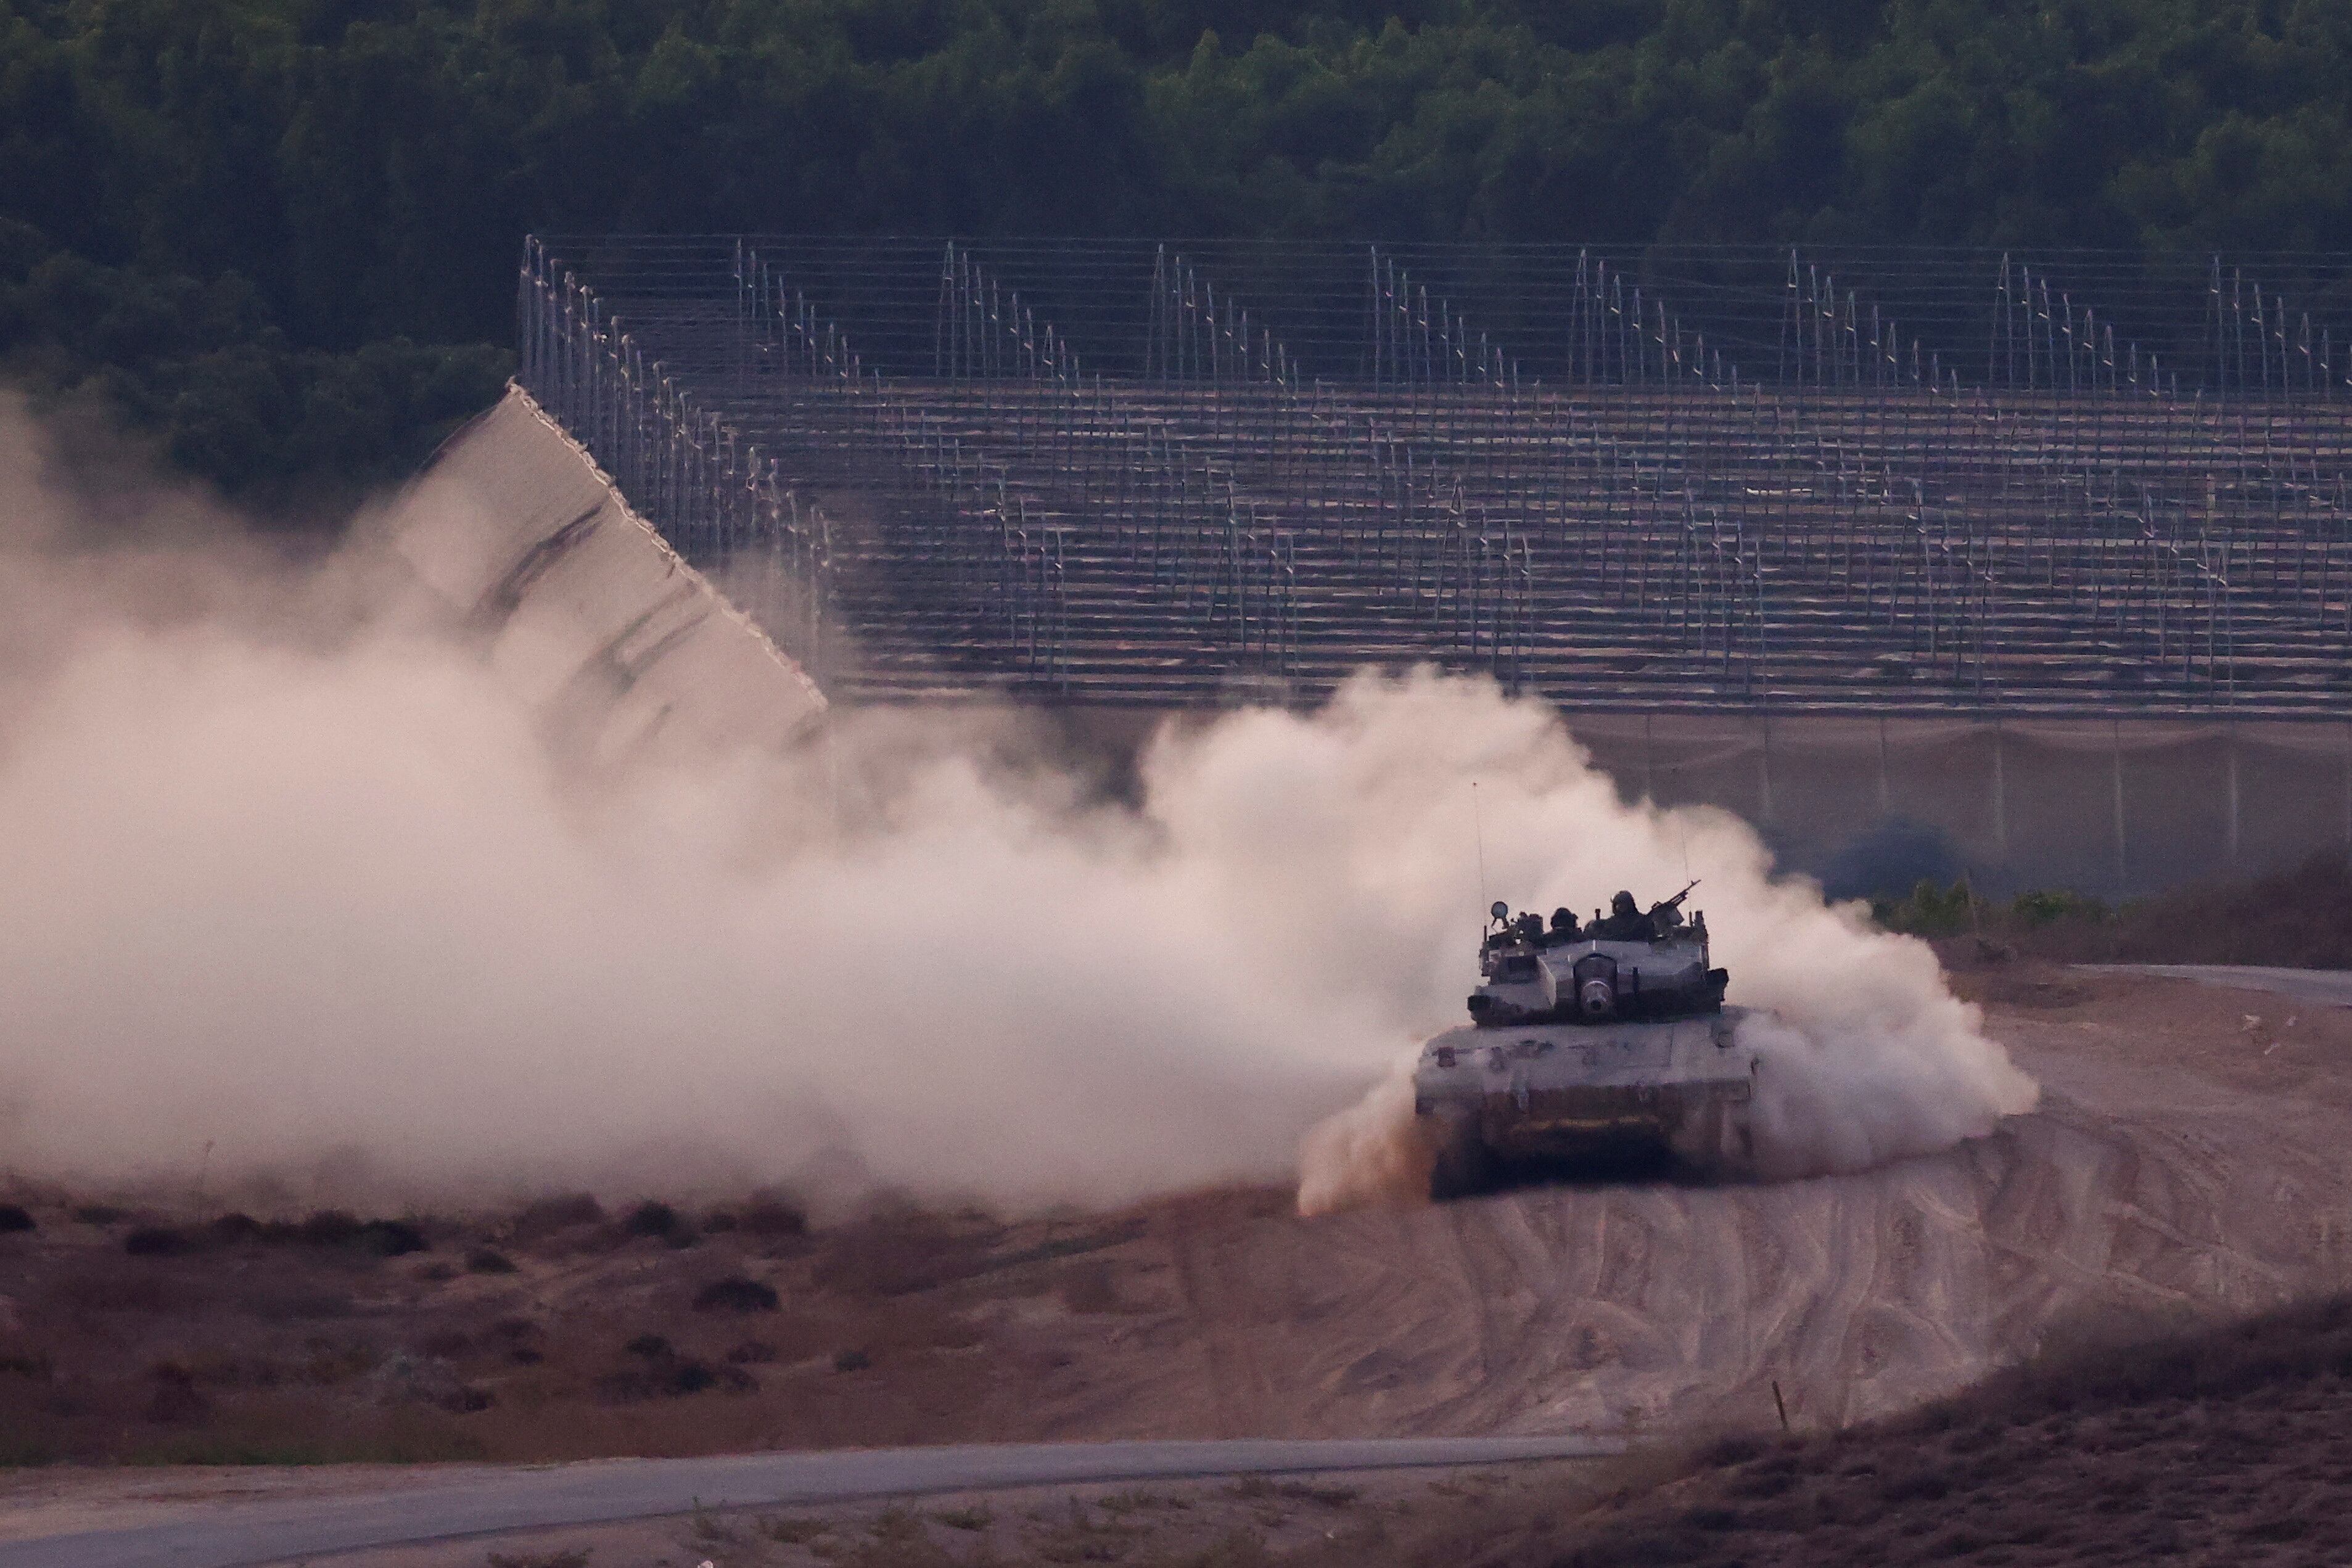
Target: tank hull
1596, 1100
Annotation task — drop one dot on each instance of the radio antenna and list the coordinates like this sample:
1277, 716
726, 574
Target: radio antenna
1478, 828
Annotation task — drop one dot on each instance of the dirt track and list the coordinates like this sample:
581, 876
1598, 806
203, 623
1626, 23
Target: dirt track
2189, 1155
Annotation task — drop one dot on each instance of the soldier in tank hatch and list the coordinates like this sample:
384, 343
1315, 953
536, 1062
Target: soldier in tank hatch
1625, 922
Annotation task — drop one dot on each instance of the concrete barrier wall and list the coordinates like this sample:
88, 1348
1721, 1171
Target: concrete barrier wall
581, 604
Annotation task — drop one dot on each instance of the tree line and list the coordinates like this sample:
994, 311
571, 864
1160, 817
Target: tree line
281, 234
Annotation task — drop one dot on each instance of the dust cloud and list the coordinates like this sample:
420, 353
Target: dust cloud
299, 908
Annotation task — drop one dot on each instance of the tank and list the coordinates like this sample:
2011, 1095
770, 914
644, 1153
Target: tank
1600, 1050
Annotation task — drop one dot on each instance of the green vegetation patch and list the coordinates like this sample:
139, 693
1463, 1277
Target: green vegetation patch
281, 235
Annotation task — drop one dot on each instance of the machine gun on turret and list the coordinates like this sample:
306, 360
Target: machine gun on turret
1667, 913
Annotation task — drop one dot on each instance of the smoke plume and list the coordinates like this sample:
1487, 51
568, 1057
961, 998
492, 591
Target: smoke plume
298, 898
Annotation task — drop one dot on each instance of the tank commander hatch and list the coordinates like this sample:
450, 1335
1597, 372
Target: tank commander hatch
1563, 929
1624, 922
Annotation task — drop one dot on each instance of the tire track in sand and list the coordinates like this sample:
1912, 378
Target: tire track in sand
2145, 1184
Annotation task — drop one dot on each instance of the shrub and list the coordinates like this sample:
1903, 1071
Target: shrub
735, 1294
651, 1346
976, 1517
177, 1400
487, 1260
155, 1242
391, 1239
565, 1213
97, 1213
1930, 910
15, 1219
852, 1361
338, 1228
652, 1219
770, 1218
1736, 1450
688, 1379
328, 1227
2043, 907
232, 1228
516, 1332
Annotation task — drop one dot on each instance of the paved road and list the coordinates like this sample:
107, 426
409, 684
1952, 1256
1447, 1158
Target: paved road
2326, 988
478, 1500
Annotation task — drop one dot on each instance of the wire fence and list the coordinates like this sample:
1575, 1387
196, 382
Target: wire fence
1728, 478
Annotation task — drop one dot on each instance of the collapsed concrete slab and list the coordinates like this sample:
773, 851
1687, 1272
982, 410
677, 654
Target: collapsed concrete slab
582, 607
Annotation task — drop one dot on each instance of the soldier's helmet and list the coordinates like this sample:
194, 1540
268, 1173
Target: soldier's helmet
1622, 904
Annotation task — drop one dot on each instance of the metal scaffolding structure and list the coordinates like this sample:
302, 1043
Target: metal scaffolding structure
1727, 479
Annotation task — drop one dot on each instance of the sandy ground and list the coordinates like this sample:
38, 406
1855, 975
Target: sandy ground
2189, 1159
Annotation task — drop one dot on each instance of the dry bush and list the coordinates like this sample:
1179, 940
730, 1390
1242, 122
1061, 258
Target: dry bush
772, 1217
2207, 1446
900, 1257
794, 1532
1090, 1289
658, 1221
558, 1224
735, 1294
1081, 1535
2299, 916
978, 1517
896, 1539
663, 1373
560, 1213
36, 1365
1236, 1548
328, 1228
176, 1402
15, 1219
157, 1241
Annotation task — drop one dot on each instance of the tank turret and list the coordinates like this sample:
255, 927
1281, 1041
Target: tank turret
1626, 965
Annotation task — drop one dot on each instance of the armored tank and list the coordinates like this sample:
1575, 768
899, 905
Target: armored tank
1598, 1049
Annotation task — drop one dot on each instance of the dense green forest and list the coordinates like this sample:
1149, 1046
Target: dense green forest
282, 233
